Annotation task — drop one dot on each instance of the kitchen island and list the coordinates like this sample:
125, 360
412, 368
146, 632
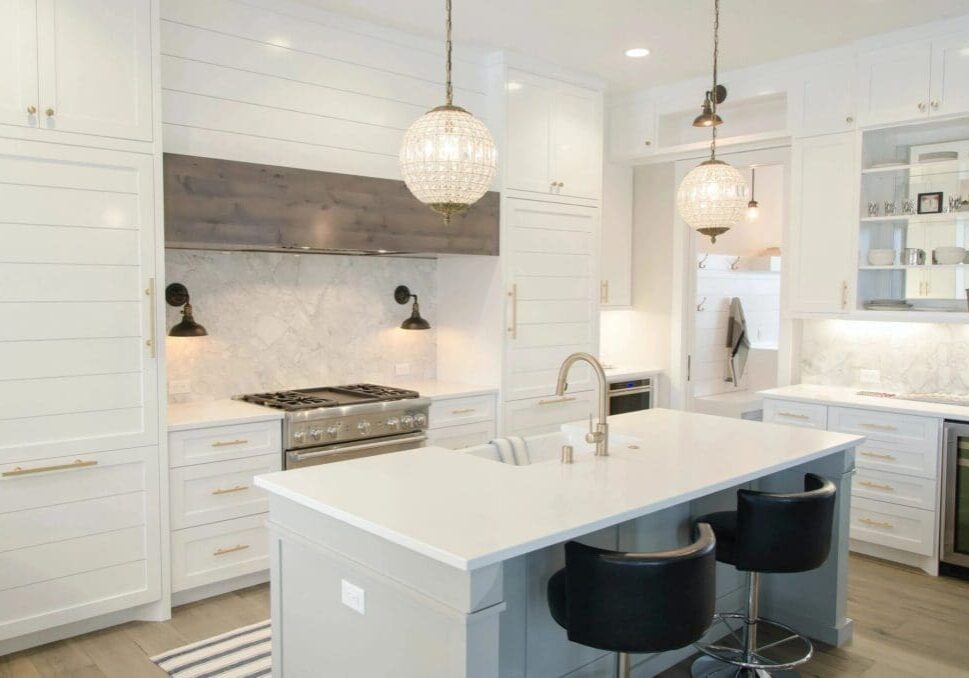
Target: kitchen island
434, 563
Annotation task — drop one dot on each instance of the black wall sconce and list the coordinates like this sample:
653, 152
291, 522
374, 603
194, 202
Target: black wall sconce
415, 322
176, 294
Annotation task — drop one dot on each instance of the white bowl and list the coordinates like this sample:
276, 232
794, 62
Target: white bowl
881, 257
949, 255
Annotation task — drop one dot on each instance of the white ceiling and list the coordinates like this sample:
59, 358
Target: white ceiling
590, 36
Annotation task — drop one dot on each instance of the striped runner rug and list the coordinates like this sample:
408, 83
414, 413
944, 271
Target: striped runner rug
243, 653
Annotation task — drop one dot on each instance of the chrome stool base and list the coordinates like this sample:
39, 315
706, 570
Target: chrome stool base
708, 667
743, 660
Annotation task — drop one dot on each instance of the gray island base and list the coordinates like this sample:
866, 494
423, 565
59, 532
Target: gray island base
433, 563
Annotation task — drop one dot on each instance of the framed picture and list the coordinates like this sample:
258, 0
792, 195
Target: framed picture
930, 203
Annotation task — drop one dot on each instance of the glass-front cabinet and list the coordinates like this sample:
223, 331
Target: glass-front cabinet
913, 245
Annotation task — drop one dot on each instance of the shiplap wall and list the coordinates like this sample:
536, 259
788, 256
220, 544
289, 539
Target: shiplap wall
285, 84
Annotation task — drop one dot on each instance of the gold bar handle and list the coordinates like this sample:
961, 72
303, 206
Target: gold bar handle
227, 443
513, 294
463, 410
231, 549
77, 463
876, 455
150, 293
880, 427
876, 523
793, 415
555, 401
230, 490
877, 486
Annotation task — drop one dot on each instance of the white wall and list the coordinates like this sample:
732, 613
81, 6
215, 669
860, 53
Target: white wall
277, 82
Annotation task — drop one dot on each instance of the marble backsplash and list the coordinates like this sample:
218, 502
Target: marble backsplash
287, 321
911, 357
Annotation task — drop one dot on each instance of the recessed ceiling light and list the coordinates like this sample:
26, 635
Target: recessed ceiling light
637, 52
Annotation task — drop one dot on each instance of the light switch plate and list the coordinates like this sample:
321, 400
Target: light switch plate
402, 369
870, 377
179, 387
353, 596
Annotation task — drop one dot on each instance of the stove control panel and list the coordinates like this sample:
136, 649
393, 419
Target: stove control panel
317, 428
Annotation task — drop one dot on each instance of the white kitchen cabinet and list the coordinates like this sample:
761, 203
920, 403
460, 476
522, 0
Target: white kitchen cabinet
824, 202
615, 286
80, 66
461, 421
547, 414
950, 73
822, 100
18, 62
632, 130
551, 272
554, 137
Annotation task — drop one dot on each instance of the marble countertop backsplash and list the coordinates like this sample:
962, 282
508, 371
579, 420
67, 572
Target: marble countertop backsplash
286, 321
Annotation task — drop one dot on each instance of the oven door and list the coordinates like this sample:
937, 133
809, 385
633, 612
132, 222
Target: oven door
630, 396
328, 454
955, 501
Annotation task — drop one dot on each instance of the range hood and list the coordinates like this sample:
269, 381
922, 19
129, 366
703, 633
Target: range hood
213, 204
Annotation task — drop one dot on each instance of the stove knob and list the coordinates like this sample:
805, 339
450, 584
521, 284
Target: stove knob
299, 436
364, 427
420, 420
393, 423
332, 431
407, 420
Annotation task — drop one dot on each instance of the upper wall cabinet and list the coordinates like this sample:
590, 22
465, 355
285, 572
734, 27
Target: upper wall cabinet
917, 80
554, 137
79, 66
632, 130
823, 100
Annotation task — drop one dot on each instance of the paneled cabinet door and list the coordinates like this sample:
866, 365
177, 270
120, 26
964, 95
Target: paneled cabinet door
824, 100
95, 67
894, 83
824, 209
950, 75
18, 62
577, 142
528, 136
76, 373
551, 275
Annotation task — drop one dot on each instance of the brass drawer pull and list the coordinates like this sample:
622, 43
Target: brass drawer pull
77, 463
876, 455
877, 486
230, 490
880, 427
793, 415
554, 401
231, 549
227, 443
876, 523
463, 410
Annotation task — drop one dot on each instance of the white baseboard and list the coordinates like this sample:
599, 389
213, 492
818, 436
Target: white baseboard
220, 587
927, 564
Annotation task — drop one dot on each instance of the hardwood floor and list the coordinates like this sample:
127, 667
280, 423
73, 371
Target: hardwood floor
906, 624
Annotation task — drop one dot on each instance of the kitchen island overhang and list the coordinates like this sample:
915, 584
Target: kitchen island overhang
444, 541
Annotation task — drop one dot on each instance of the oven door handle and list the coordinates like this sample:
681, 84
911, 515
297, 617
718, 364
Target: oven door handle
297, 456
630, 391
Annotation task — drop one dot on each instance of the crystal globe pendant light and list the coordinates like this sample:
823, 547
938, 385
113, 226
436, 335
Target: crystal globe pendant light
713, 196
448, 157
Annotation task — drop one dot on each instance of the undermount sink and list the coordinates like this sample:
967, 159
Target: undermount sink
547, 448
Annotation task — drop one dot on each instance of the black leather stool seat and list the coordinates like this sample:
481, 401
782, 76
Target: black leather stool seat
724, 524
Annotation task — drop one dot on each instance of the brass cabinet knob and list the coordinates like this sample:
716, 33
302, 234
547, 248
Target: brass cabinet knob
849, 119
648, 142
935, 104
31, 110
49, 112
922, 106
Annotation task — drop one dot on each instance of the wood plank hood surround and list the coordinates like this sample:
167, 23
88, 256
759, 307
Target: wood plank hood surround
214, 204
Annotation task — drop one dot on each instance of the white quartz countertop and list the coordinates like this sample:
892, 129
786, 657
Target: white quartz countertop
838, 395
182, 416
469, 512
442, 390
620, 372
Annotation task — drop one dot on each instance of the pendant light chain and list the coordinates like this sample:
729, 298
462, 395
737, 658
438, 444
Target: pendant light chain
449, 88
716, 54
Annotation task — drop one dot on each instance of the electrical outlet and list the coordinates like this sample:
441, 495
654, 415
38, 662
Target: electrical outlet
870, 377
180, 387
402, 369
353, 596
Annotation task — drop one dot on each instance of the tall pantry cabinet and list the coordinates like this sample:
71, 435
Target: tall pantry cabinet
552, 172
81, 372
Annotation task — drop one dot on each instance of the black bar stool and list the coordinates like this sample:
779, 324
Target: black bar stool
768, 533
636, 602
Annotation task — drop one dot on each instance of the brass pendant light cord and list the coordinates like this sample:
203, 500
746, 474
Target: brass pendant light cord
447, 67
716, 54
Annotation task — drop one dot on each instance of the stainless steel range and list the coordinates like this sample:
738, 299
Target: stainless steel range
336, 423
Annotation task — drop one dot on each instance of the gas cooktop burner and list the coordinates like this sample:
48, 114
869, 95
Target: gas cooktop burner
333, 396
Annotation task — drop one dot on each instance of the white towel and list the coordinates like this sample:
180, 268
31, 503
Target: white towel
512, 450
505, 452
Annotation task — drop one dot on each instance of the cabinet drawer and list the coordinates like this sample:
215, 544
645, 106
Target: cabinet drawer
807, 415
900, 527
219, 443
897, 459
895, 489
210, 553
462, 411
77, 478
208, 493
911, 432
545, 415
465, 435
